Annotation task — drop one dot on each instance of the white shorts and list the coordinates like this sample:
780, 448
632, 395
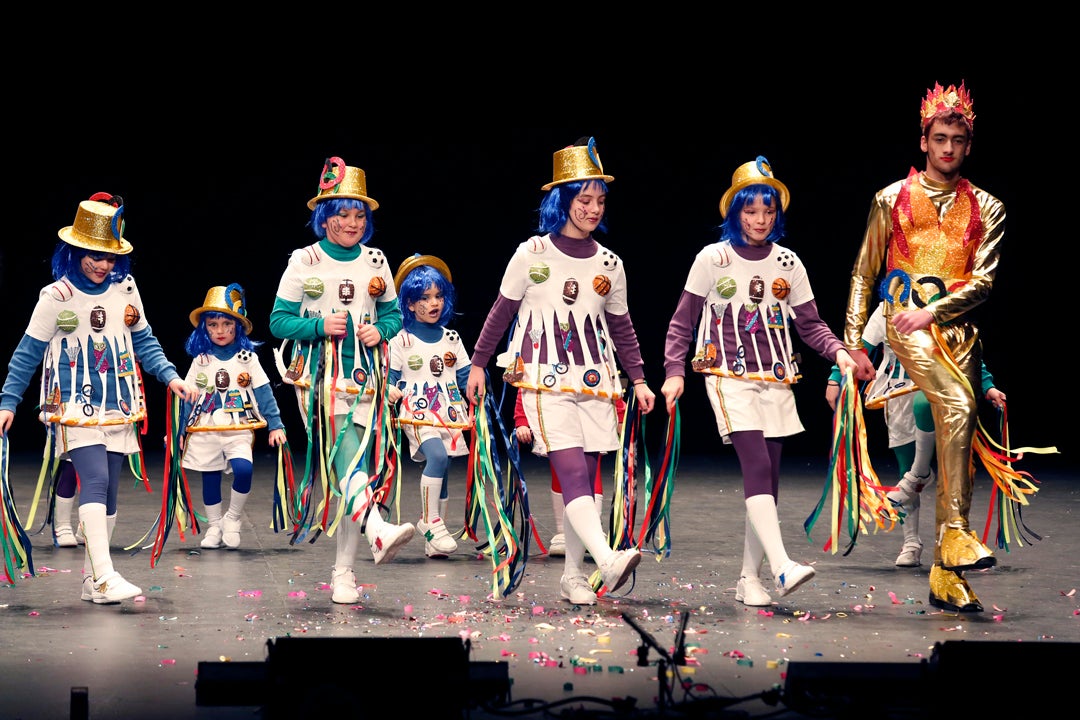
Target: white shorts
116, 438
562, 420
454, 440
752, 405
210, 451
900, 419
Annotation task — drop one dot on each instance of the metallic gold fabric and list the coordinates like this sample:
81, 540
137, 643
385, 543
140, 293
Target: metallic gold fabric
919, 229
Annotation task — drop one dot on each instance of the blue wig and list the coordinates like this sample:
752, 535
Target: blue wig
326, 209
555, 207
67, 260
413, 287
731, 228
199, 342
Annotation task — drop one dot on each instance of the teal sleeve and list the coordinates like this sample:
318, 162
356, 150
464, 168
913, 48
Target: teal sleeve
286, 323
987, 380
389, 322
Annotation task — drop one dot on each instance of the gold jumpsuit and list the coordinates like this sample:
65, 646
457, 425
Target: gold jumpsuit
935, 246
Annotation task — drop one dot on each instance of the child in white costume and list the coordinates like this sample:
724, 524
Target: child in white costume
235, 400
336, 303
738, 304
429, 366
90, 326
563, 297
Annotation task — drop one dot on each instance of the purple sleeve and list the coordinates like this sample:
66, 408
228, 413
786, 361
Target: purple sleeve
498, 320
680, 333
814, 332
626, 345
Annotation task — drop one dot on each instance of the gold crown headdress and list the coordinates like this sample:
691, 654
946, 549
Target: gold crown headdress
951, 98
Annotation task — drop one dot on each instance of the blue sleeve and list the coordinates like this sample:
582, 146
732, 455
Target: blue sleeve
463, 375
21, 368
394, 377
264, 395
152, 358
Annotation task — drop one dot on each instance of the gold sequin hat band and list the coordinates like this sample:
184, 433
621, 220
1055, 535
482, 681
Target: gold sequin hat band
755, 172
339, 180
416, 261
224, 299
577, 162
98, 226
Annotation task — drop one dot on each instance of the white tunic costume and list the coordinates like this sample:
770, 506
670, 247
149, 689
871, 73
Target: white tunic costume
89, 378
323, 285
432, 404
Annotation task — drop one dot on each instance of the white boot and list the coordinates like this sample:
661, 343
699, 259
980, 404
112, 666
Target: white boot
574, 584
788, 574
911, 552
103, 585
343, 583
438, 542
212, 536
616, 566
63, 535
749, 590
385, 538
230, 524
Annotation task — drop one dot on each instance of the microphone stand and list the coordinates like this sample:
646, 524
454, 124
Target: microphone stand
648, 641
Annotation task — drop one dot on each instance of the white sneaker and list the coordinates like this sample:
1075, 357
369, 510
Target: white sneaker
577, 590
109, 589
212, 539
79, 537
64, 536
438, 542
344, 584
909, 486
557, 546
88, 593
619, 567
230, 532
791, 576
750, 591
385, 545
910, 555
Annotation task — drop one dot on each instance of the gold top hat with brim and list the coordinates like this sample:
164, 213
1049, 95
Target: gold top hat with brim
577, 162
339, 180
98, 226
416, 261
228, 300
755, 172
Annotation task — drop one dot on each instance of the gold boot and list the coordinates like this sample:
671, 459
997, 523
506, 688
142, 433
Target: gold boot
950, 591
962, 550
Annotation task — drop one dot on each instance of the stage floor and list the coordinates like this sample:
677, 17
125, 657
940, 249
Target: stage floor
141, 658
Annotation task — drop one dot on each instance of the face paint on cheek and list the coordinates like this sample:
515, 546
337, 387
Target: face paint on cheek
335, 225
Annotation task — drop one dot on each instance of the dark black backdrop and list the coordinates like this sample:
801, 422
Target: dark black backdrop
215, 192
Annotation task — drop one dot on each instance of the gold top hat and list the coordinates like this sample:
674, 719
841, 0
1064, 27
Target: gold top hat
416, 261
339, 180
228, 300
577, 162
756, 172
98, 226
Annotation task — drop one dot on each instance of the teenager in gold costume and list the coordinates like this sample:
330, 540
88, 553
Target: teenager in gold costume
932, 242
